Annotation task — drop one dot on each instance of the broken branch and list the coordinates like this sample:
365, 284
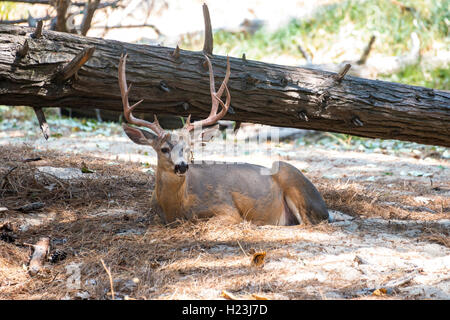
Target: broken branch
73, 66
304, 54
208, 44
38, 31
40, 252
366, 52
31, 207
23, 49
42, 122
108, 271
176, 52
343, 72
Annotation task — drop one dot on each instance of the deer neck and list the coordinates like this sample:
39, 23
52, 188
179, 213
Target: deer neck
170, 182
171, 192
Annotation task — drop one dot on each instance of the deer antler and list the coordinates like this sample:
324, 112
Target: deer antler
124, 91
215, 96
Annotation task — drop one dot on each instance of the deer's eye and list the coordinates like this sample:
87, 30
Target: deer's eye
165, 150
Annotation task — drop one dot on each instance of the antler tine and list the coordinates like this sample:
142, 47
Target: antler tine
215, 96
225, 80
225, 106
212, 87
127, 110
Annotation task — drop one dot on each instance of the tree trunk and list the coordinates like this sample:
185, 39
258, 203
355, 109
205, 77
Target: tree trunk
38, 74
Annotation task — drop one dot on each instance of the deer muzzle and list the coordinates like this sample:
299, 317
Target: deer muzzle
181, 168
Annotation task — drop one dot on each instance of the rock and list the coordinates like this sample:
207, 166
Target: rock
83, 295
335, 216
125, 286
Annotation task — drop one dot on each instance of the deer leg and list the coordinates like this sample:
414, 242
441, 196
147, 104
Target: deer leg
302, 198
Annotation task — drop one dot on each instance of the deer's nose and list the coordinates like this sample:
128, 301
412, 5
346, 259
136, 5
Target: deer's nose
181, 168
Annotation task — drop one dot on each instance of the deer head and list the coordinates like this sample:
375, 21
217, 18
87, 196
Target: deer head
173, 149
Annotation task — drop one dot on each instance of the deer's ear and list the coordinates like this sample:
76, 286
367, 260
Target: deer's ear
140, 136
204, 134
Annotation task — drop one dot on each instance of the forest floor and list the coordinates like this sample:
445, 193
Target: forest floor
389, 238
390, 200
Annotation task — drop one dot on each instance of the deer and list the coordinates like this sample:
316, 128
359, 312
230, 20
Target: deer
185, 190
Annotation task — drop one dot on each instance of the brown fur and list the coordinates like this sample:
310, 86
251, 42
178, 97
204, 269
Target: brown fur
220, 190
285, 197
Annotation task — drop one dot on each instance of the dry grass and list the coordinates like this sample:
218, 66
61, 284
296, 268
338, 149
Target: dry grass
25, 183
436, 235
185, 260
379, 200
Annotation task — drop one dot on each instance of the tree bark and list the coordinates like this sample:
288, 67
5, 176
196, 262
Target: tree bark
178, 84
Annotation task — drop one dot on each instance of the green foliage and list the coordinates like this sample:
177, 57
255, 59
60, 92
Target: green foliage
340, 141
19, 113
328, 24
430, 18
6, 8
438, 78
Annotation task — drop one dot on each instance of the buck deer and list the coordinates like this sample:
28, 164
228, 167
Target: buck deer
238, 190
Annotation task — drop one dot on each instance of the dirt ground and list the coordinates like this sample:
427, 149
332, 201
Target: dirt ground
389, 238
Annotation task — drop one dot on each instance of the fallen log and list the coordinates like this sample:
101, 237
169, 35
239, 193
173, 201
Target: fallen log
176, 82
